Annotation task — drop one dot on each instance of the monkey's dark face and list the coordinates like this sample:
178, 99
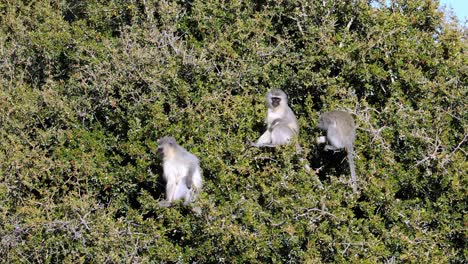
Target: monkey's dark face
275, 101
167, 150
165, 144
161, 150
323, 123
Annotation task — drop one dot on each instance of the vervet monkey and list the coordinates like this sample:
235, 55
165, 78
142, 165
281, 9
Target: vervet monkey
181, 171
341, 133
281, 121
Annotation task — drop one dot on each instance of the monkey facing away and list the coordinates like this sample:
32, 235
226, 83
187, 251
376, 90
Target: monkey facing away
181, 171
341, 133
281, 121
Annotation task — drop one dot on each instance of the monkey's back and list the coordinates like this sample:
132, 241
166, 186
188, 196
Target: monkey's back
344, 132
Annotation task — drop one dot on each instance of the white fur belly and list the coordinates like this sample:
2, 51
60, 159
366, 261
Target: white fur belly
181, 192
272, 116
174, 171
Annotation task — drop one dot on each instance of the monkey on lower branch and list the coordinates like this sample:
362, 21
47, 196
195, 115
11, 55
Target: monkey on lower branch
182, 172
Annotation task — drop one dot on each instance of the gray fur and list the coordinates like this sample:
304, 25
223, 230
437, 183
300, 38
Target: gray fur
182, 172
341, 133
281, 122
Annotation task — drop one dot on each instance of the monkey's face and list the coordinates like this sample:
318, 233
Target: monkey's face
166, 151
323, 124
275, 101
326, 121
276, 98
166, 146
161, 151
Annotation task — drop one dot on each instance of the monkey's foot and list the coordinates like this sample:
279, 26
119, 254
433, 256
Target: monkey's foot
164, 203
330, 147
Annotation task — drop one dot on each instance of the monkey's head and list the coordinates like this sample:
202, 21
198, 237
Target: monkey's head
324, 121
166, 146
276, 98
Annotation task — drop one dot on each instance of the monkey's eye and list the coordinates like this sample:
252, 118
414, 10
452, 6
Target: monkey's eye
275, 101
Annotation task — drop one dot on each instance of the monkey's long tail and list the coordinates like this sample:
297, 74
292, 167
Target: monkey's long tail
350, 151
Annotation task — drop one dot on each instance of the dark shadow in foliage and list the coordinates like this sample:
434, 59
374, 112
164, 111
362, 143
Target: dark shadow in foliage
286, 25
188, 26
459, 240
259, 5
260, 126
36, 69
74, 10
406, 191
187, 73
331, 163
327, 251
154, 188
158, 188
359, 213
65, 64
104, 196
427, 188
176, 235
132, 198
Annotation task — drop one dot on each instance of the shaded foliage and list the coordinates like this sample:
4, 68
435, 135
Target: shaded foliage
89, 86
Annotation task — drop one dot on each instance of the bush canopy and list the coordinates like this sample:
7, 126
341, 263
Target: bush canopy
87, 88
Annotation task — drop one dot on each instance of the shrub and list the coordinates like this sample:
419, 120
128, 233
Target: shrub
88, 87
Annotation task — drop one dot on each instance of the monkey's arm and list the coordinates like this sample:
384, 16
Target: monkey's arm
193, 178
197, 181
188, 178
193, 181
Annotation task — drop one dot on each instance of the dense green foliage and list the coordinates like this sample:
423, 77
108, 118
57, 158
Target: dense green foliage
87, 88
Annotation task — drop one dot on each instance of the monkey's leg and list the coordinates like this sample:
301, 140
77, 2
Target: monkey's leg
164, 203
263, 140
281, 135
170, 190
330, 147
181, 192
189, 197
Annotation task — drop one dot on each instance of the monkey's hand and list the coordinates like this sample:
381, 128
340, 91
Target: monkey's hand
252, 144
164, 203
321, 140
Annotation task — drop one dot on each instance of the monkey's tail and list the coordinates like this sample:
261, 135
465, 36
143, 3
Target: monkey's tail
352, 169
